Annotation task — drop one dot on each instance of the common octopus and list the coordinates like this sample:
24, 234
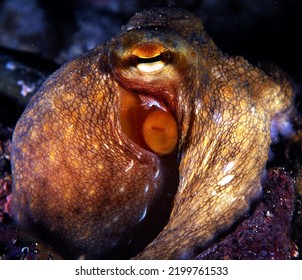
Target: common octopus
148, 146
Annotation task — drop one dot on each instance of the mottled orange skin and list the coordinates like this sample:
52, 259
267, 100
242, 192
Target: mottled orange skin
81, 182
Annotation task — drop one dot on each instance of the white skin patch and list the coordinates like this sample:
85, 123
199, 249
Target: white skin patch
156, 174
129, 166
225, 180
228, 167
214, 193
217, 117
198, 108
143, 215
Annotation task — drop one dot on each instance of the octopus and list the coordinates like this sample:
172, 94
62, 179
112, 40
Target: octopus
149, 146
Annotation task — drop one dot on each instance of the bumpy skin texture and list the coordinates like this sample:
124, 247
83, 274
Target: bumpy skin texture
80, 181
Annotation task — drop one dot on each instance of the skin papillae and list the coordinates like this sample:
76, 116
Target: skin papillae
95, 152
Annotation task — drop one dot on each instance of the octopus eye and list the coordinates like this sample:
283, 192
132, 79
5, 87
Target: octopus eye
148, 123
150, 57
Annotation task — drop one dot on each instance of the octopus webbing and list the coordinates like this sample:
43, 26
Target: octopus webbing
147, 146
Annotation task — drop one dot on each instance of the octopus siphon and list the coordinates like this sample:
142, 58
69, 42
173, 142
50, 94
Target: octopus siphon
148, 146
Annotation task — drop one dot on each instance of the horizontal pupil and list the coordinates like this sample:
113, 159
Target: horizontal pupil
164, 57
149, 60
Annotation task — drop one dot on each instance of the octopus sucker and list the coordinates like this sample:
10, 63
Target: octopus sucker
148, 146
